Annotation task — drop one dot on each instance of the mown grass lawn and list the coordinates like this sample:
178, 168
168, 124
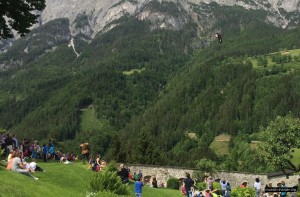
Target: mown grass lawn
159, 192
60, 180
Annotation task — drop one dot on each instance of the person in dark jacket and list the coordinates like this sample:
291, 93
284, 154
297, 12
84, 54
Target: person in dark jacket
45, 152
123, 174
188, 184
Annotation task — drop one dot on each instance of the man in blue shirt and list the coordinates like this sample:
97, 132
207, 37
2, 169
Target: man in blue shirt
138, 188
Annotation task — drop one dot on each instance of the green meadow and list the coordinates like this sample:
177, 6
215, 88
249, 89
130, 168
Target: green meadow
296, 157
89, 120
132, 71
60, 180
270, 63
220, 146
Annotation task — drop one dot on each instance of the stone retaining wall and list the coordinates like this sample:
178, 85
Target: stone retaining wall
163, 173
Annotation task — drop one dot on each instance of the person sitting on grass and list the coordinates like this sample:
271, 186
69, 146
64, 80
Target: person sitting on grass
154, 182
97, 164
10, 155
103, 164
19, 167
91, 163
70, 157
62, 158
10, 159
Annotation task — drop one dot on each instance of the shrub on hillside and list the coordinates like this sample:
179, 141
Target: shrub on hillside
201, 186
107, 181
243, 192
217, 186
173, 183
106, 194
112, 166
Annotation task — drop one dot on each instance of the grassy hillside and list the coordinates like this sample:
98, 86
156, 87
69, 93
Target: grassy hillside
68, 180
58, 180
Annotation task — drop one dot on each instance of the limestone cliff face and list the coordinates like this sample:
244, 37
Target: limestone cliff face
84, 19
99, 13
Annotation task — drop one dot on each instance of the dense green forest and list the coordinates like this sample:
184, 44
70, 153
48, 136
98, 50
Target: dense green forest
149, 88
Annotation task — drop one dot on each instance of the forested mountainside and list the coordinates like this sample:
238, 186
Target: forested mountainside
149, 88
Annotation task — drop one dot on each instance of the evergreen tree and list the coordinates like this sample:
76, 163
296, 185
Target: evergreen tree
18, 15
145, 151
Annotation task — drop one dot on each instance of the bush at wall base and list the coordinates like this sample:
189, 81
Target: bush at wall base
243, 192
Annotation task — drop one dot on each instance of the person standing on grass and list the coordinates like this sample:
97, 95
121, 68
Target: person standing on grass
154, 182
257, 186
283, 186
9, 144
123, 174
228, 190
138, 186
45, 152
223, 184
188, 183
84, 152
52, 152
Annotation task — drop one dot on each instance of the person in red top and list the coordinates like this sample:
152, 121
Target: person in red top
244, 184
207, 193
183, 192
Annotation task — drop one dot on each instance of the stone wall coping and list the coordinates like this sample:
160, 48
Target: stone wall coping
193, 169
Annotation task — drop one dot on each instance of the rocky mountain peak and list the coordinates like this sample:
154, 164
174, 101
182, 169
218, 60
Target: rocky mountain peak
101, 13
